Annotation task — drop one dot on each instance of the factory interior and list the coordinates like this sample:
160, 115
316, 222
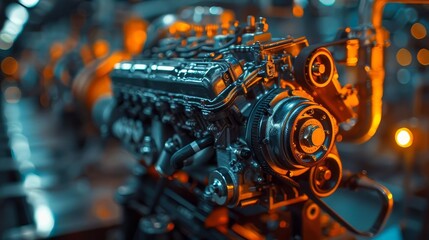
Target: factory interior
198, 119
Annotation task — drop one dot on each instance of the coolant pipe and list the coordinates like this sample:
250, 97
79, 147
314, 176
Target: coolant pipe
370, 88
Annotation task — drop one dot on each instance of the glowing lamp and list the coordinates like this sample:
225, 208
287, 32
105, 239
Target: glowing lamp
404, 137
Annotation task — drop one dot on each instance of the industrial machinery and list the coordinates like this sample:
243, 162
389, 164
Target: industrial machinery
259, 116
249, 118
235, 128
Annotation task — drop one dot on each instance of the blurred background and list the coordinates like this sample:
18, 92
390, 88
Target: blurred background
59, 174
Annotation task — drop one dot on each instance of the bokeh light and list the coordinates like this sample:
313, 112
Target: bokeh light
418, 31
9, 66
403, 56
403, 75
101, 48
404, 137
29, 3
327, 2
17, 13
297, 11
423, 56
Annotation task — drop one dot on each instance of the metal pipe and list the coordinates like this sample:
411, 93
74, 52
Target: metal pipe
370, 89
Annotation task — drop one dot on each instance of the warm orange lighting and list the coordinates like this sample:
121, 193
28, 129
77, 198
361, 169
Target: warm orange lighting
98, 88
418, 31
211, 30
217, 217
227, 17
92, 84
134, 41
181, 176
9, 66
101, 48
247, 233
423, 56
403, 56
198, 30
105, 67
134, 24
404, 137
179, 28
134, 35
48, 74
297, 11
56, 51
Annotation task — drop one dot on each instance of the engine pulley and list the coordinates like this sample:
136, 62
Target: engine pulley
290, 132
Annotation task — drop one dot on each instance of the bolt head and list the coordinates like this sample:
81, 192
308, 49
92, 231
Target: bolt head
313, 136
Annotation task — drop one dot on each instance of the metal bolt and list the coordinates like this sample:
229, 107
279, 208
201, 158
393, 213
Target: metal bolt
313, 136
318, 68
325, 173
245, 153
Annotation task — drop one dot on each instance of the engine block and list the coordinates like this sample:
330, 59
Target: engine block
246, 107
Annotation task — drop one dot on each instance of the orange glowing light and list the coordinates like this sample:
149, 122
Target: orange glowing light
89, 85
211, 30
247, 233
9, 66
227, 17
198, 30
181, 177
403, 56
101, 48
418, 31
297, 11
423, 56
134, 35
56, 51
404, 137
48, 74
179, 28
217, 217
134, 41
98, 88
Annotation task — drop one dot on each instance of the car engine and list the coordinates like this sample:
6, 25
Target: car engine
259, 116
199, 119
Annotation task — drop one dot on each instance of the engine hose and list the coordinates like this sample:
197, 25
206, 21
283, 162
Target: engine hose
355, 182
179, 158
